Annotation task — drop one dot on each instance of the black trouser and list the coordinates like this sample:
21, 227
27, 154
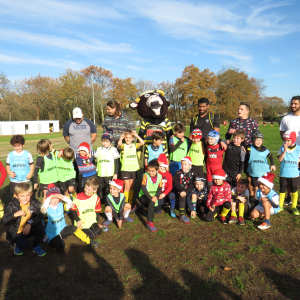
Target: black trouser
246, 209
211, 214
150, 207
22, 240
198, 170
82, 181
103, 186
93, 231
57, 242
231, 179
182, 204
292, 182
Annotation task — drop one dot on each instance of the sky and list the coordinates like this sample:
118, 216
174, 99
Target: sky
153, 39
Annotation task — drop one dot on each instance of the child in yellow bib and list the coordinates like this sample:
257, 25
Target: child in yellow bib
129, 161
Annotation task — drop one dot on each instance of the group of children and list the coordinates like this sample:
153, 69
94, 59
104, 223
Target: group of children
75, 181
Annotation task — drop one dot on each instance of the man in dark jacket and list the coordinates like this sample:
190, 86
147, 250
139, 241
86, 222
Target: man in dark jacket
24, 220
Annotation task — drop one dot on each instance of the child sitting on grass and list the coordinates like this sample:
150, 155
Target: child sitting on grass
116, 207
289, 157
178, 147
19, 163
45, 167
197, 198
87, 205
196, 153
219, 197
240, 202
129, 161
183, 183
151, 188
268, 200
56, 227
24, 220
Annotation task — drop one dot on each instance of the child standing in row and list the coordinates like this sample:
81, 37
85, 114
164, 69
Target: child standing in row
289, 157
108, 163
178, 147
196, 153
45, 167
19, 163
129, 161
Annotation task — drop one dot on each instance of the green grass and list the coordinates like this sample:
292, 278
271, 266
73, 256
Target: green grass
278, 251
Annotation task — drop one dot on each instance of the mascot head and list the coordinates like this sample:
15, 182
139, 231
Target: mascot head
151, 104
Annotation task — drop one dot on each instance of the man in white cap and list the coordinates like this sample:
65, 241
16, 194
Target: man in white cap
79, 129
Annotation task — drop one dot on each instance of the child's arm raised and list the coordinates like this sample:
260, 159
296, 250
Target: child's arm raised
120, 142
282, 155
141, 141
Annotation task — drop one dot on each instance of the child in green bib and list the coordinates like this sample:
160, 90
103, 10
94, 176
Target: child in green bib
196, 153
116, 207
65, 171
151, 188
129, 161
45, 167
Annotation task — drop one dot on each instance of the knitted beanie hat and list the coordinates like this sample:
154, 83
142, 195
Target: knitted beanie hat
219, 174
187, 158
118, 183
107, 136
85, 147
52, 189
214, 134
162, 159
267, 179
199, 179
257, 135
291, 135
197, 134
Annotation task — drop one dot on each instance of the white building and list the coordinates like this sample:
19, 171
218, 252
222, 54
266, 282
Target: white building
28, 127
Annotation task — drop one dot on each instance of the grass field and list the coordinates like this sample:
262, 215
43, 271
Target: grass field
180, 261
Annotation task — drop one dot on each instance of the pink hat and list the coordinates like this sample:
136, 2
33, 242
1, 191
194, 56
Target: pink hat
118, 183
196, 134
267, 180
219, 174
84, 146
290, 135
187, 158
163, 159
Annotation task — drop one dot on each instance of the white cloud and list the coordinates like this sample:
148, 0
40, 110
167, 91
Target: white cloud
22, 59
274, 60
232, 53
90, 45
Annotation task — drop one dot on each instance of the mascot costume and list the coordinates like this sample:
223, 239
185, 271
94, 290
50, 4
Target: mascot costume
152, 106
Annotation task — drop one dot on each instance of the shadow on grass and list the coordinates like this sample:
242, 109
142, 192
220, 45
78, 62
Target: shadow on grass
156, 285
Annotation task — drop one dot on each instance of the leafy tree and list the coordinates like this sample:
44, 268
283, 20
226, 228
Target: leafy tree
273, 107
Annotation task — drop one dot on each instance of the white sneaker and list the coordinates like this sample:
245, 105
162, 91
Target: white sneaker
264, 226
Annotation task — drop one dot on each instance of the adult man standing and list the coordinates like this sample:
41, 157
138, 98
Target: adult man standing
205, 120
79, 129
292, 120
243, 122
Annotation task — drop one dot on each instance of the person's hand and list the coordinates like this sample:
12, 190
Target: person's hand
183, 139
231, 130
244, 149
27, 228
12, 174
223, 145
193, 214
35, 186
29, 175
115, 176
212, 208
134, 133
284, 147
242, 199
273, 168
122, 136
162, 196
182, 194
89, 155
154, 199
20, 213
59, 196
228, 142
119, 222
238, 177
80, 224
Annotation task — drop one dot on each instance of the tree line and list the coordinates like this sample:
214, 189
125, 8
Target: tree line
47, 98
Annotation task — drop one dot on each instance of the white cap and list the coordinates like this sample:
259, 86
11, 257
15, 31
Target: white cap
77, 113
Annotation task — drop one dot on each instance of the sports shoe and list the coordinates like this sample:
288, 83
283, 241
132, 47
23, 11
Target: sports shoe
280, 210
223, 220
18, 250
158, 211
94, 244
128, 219
104, 228
295, 211
39, 251
232, 220
136, 208
172, 213
107, 222
264, 226
184, 219
288, 200
150, 226
241, 221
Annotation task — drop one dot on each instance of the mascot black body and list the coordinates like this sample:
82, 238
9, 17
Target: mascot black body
152, 106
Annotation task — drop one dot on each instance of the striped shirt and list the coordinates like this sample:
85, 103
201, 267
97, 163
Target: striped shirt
116, 127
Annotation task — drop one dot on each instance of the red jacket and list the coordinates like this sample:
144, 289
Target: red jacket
219, 194
3, 173
167, 182
214, 154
